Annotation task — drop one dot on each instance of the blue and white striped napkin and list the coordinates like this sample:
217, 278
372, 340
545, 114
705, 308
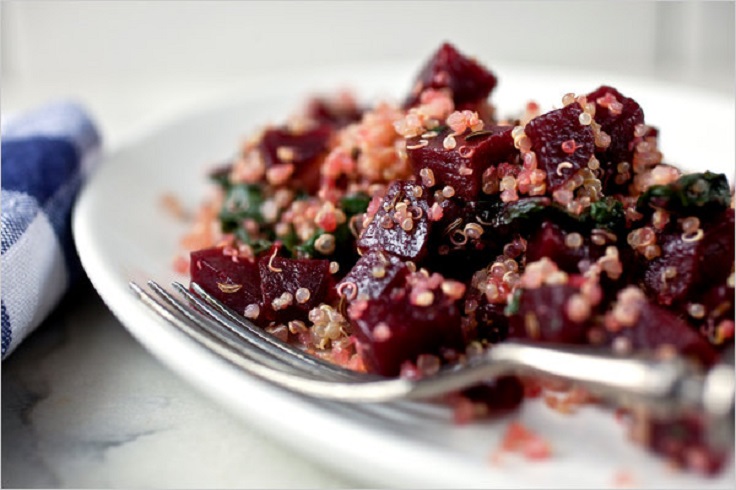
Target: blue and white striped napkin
46, 155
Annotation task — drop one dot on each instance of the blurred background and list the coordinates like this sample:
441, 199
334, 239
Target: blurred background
159, 57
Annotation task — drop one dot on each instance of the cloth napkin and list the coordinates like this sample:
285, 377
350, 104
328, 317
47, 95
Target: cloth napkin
46, 155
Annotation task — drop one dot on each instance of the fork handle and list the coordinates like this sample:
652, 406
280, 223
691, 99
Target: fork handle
667, 386
662, 384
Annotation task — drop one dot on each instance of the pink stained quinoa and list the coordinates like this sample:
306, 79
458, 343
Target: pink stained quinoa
397, 239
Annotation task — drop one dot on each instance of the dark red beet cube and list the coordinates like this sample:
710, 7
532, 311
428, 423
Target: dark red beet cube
469, 81
280, 275
657, 327
718, 306
702, 262
303, 149
374, 273
234, 281
681, 439
487, 320
385, 231
618, 123
391, 330
547, 133
542, 316
462, 167
549, 241
446, 256
499, 396
326, 111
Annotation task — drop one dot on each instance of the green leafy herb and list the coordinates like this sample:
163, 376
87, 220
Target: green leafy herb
257, 244
290, 240
499, 214
355, 203
221, 176
242, 201
692, 193
306, 250
607, 213
513, 307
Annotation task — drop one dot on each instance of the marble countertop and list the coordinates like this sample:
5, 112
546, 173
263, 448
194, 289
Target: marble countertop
85, 405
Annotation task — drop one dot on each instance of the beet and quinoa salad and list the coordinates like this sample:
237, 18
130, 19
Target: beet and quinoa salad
401, 237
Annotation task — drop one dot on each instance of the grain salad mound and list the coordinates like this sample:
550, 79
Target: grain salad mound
399, 238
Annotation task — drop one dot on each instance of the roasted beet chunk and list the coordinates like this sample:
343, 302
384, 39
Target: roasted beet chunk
712, 313
484, 320
292, 287
416, 318
282, 149
495, 397
542, 315
338, 112
636, 323
684, 441
233, 280
566, 249
401, 224
448, 68
549, 131
452, 252
618, 115
691, 260
372, 275
461, 167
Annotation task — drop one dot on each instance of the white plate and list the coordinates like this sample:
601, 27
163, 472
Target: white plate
123, 234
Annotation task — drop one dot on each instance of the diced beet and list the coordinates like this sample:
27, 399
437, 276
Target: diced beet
619, 125
499, 396
656, 327
698, 263
473, 152
385, 232
280, 275
542, 316
683, 257
491, 323
684, 441
391, 330
718, 306
549, 241
547, 133
306, 148
461, 261
235, 282
374, 273
448, 68
325, 111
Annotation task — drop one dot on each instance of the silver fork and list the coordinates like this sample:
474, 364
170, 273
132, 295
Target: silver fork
667, 387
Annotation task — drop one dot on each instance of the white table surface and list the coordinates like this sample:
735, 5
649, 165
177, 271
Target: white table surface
85, 405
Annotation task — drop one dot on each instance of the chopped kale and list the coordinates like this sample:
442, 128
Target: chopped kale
523, 209
697, 193
221, 176
513, 307
258, 245
355, 203
306, 250
242, 201
607, 213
